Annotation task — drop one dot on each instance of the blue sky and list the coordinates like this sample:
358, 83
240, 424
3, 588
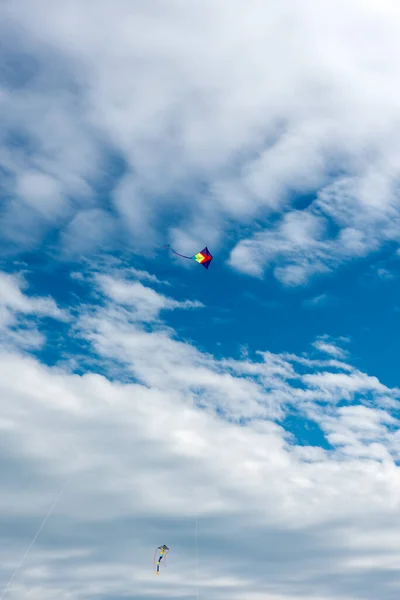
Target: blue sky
258, 401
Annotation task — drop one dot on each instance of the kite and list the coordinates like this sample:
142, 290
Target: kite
162, 551
203, 258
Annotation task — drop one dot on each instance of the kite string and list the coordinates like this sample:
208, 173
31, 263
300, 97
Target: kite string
168, 247
53, 506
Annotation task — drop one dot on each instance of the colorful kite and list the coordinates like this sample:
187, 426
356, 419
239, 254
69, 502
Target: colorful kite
203, 258
162, 551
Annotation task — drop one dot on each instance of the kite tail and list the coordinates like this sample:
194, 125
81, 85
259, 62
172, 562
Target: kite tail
177, 253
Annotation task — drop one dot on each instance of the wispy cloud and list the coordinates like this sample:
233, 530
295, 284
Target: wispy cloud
144, 302
330, 348
145, 276
299, 247
12, 297
19, 312
318, 301
385, 274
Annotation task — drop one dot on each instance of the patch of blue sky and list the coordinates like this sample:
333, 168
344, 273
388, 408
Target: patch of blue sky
263, 315
304, 432
17, 66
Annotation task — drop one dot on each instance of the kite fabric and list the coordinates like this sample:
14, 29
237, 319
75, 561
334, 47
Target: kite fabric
203, 258
161, 551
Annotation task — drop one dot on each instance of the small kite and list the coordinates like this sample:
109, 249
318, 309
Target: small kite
203, 258
161, 551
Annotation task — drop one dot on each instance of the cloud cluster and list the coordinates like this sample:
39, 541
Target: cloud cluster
185, 436
116, 114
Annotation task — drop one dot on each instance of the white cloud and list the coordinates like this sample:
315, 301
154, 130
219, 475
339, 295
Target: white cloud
88, 230
225, 112
330, 348
42, 192
77, 276
19, 313
12, 297
291, 248
299, 247
344, 385
147, 276
144, 301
